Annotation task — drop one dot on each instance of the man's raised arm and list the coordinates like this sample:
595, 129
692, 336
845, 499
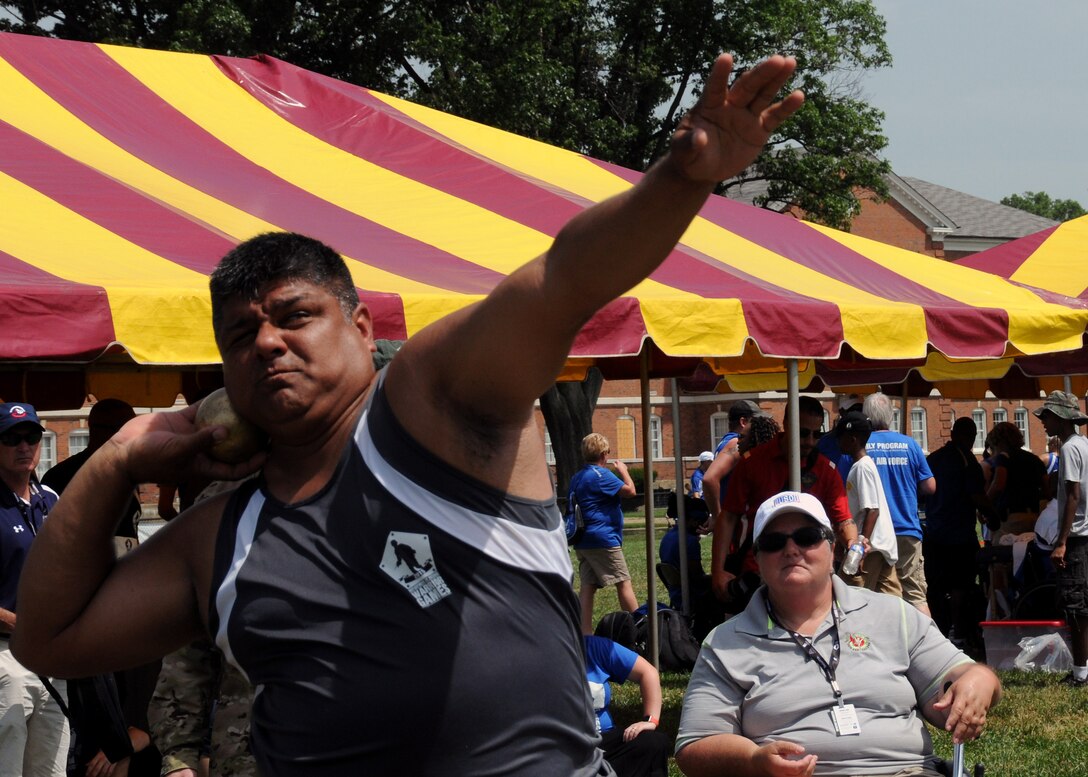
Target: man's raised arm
504, 352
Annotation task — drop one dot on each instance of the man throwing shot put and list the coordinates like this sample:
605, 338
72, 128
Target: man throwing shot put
468, 661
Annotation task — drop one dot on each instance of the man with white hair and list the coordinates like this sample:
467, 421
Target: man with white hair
905, 476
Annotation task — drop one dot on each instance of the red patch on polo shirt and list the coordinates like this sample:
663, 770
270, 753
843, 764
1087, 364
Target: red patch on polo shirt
858, 642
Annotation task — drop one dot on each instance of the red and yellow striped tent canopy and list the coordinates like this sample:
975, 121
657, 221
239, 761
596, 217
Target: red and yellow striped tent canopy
126, 173
1054, 259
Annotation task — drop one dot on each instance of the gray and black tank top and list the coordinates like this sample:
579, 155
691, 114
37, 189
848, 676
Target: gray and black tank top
406, 620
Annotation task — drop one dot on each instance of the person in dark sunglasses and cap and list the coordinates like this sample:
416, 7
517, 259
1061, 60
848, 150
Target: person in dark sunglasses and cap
33, 729
816, 677
760, 474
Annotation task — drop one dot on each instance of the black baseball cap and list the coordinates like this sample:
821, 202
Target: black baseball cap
854, 422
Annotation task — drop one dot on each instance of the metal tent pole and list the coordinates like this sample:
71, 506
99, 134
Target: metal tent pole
648, 499
793, 426
681, 515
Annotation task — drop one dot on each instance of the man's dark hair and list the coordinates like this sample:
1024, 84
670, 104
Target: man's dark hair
105, 419
964, 427
809, 406
763, 429
279, 256
742, 408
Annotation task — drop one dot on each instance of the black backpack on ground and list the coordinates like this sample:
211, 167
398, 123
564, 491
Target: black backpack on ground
620, 627
677, 647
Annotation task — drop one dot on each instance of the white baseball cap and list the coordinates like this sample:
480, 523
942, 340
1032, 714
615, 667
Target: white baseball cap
706, 456
789, 502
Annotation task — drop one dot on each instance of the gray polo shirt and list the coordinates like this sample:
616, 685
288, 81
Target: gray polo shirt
753, 680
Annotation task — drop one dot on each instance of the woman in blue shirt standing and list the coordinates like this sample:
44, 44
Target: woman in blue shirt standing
599, 494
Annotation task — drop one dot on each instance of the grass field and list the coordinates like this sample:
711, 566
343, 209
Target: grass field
1038, 729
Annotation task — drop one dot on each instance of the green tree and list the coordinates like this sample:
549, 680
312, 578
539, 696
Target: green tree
1042, 204
609, 78
612, 78
355, 40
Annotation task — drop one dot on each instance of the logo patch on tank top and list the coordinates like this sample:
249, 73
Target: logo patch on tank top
408, 560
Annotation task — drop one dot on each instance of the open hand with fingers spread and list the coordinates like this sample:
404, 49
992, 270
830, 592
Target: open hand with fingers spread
729, 125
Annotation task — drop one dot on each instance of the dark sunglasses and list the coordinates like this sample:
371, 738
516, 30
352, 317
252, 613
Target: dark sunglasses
806, 433
11, 439
805, 537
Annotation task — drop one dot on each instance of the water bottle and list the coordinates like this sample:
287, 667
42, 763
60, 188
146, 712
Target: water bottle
852, 562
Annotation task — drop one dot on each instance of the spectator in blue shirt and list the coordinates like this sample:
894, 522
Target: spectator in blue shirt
697, 476
637, 750
599, 494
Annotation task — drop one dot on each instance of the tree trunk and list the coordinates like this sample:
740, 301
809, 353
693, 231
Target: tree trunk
568, 412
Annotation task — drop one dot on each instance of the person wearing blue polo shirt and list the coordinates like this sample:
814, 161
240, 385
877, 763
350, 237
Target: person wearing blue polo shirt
33, 729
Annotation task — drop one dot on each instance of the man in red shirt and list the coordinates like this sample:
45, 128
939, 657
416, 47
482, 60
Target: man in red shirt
760, 474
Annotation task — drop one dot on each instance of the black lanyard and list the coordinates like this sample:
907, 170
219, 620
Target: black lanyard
827, 667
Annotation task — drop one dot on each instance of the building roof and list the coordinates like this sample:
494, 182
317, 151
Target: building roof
954, 219
976, 217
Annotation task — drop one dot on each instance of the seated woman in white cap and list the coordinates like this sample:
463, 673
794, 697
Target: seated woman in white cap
818, 678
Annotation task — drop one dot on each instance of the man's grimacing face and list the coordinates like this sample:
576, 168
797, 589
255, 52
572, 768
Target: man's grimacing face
287, 354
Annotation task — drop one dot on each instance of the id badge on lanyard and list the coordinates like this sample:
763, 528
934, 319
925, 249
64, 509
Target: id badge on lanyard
843, 716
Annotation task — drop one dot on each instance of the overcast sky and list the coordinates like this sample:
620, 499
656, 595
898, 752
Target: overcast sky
989, 97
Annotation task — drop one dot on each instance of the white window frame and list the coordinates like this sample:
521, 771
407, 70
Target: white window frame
1022, 420
978, 415
918, 428
1000, 415
549, 454
656, 447
48, 458
83, 436
719, 426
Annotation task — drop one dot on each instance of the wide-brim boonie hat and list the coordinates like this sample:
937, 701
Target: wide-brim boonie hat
1064, 405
